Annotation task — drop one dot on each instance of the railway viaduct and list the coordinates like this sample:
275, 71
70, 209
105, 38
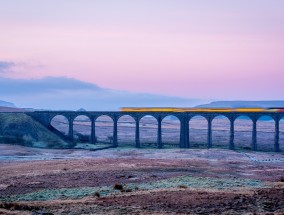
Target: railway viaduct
45, 118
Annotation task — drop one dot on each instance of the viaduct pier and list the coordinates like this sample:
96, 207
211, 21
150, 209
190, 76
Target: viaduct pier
45, 118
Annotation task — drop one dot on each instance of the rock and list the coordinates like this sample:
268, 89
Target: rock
118, 187
120, 176
97, 194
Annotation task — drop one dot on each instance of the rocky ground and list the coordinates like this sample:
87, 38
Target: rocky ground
140, 181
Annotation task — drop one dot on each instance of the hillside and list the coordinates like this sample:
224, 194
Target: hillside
242, 104
6, 104
20, 129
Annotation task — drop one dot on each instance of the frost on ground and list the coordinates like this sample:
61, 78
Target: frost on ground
140, 181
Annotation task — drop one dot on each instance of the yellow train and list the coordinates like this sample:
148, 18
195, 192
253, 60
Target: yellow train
169, 109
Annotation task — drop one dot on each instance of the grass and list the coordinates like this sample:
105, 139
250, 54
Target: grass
182, 182
91, 146
21, 129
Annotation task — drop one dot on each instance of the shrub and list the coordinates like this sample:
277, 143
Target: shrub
83, 138
110, 139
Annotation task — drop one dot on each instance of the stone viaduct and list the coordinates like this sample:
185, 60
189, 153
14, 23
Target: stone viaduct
45, 118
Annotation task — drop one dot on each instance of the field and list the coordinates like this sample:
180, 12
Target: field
140, 181
126, 180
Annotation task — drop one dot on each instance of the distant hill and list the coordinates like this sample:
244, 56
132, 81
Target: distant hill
11, 109
6, 104
242, 104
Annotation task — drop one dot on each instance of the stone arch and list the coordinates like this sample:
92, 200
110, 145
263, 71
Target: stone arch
243, 126
148, 129
221, 131
104, 126
198, 131
82, 129
60, 123
170, 131
126, 125
281, 134
265, 127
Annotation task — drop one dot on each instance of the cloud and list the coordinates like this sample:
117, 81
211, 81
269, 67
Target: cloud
19, 69
6, 66
11, 86
71, 94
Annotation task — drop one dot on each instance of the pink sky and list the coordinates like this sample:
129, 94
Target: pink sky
197, 49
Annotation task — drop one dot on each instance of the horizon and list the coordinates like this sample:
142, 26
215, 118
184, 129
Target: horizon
228, 51
61, 93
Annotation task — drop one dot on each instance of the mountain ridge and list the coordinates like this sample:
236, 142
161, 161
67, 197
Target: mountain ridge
243, 104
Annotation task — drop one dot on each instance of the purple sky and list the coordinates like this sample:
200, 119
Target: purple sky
190, 48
